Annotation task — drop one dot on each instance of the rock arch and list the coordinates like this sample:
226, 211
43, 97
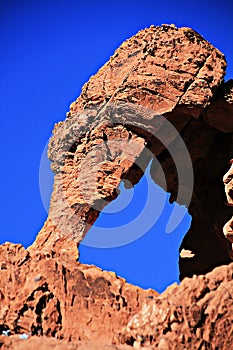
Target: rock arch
173, 73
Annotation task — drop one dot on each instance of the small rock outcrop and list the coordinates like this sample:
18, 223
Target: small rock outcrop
161, 100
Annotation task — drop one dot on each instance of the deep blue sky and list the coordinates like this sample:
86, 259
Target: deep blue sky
49, 49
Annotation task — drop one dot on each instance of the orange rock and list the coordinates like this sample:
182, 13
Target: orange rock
83, 307
162, 88
115, 126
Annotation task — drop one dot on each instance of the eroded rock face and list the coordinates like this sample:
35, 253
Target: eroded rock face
222, 105
195, 315
162, 95
83, 307
57, 297
162, 74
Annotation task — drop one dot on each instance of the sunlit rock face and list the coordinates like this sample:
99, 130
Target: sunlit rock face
56, 303
161, 98
119, 123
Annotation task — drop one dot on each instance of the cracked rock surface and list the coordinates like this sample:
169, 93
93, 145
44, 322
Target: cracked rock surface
82, 307
162, 94
117, 125
203, 320
57, 297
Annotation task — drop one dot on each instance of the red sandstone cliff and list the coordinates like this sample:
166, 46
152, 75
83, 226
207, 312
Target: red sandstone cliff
162, 94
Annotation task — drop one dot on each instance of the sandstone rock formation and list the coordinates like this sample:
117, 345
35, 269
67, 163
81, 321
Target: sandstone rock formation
118, 124
58, 297
83, 307
202, 321
162, 94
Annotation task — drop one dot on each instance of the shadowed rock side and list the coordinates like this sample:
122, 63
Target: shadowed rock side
117, 124
210, 151
228, 227
83, 307
161, 84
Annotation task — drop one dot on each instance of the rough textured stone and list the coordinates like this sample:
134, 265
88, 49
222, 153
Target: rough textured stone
114, 128
83, 307
58, 297
160, 68
195, 315
222, 105
161, 84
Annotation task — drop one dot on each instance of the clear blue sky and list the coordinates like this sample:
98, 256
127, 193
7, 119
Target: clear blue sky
49, 49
